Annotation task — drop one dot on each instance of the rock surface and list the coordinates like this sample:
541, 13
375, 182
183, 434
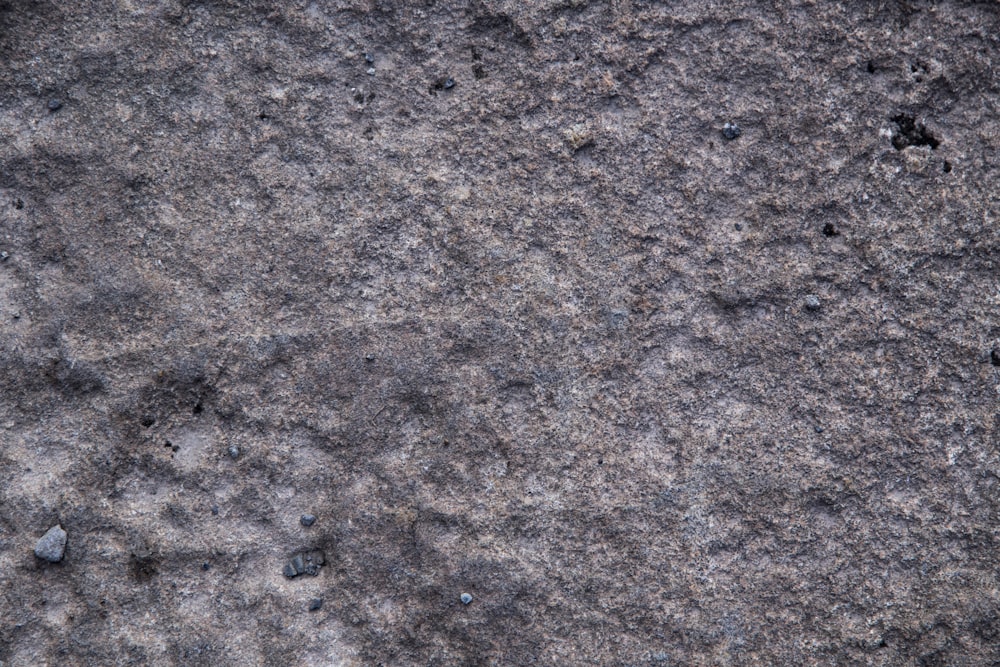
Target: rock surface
52, 545
513, 316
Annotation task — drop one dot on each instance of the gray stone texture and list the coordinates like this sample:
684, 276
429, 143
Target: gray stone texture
514, 317
51, 545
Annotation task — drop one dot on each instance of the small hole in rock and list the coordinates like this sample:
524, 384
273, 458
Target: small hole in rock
911, 133
947, 167
995, 356
830, 230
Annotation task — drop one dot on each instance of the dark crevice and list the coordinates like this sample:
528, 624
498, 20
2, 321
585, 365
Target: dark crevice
912, 133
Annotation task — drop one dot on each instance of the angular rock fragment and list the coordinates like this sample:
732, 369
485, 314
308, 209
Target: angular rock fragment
52, 545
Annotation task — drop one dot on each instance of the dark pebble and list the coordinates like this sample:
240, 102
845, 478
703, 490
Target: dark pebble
731, 131
738, 227
449, 83
234, 452
369, 58
307, 562
819, 429
316, 604
813, 302
205, 567
995, 356
55, 105
215, 510
307, 520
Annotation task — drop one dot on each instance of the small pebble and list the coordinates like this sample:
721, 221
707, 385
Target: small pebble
55, 105
812, 302
52, 545
731, 131
205, 567
307, 520
215, 510
307, 562
449, 83
738, 227
316, 604
371, 71
369, 58
466, 598
819, 429
3, 255
234, 452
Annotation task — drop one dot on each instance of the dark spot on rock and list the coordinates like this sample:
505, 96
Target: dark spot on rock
316, 604
830, 230
18, 203
731, 131
911, 133
75, 377
307, 562
147, 421
995, 356
441, 83
871, 67
307, 520
55, 105
947, 167
143, 567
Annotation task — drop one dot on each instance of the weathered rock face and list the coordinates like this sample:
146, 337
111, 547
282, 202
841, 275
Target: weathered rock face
665, 331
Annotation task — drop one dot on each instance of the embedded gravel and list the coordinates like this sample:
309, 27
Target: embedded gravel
667, 332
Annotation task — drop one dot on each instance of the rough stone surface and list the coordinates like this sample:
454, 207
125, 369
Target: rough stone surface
52, 545
539, 335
